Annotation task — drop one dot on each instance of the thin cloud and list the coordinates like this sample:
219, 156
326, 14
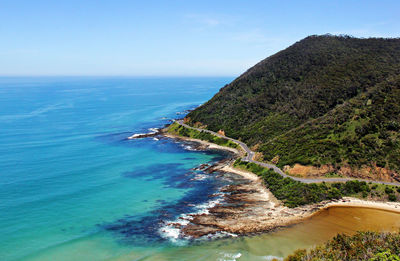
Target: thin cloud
207, 20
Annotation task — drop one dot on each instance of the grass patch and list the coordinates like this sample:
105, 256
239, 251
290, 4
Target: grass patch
333, 175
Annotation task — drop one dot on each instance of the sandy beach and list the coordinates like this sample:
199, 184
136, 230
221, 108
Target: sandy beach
249, 207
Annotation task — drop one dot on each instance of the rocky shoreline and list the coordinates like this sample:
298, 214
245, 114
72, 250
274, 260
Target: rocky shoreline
247, 206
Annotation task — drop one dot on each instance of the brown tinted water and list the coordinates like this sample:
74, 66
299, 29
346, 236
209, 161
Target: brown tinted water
316, 230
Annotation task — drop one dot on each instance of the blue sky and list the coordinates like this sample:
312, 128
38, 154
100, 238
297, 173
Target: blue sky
172, 38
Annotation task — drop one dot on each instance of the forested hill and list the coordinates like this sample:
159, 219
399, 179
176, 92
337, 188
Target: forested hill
324, 100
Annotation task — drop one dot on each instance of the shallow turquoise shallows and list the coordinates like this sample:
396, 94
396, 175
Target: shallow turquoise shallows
73, 187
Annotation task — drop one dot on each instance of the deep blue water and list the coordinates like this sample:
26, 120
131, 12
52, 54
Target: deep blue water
73, 187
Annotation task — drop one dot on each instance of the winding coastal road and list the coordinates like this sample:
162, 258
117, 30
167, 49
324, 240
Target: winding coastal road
250, 155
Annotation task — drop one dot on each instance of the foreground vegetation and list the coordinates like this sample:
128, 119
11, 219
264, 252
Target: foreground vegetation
295, 193
324, 100
178, 129
362, 246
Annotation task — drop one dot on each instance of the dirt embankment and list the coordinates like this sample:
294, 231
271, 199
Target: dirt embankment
365, 172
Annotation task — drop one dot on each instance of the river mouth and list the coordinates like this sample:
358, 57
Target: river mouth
278, 244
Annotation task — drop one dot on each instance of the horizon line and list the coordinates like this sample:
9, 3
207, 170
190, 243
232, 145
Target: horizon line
109, 76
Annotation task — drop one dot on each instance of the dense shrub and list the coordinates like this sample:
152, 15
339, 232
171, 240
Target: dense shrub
392, 197
388, 190
361, 246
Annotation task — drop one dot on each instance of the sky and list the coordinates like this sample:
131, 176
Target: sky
172, 37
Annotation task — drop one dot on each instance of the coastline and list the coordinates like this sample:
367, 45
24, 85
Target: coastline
249, 207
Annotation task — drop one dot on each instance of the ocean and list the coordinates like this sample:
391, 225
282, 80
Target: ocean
73, 187
71, 181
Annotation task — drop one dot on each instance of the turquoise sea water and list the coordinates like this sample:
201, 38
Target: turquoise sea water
73, 187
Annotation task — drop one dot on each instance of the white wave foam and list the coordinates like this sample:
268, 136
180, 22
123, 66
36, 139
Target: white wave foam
153, 130
188, 147
136, 135
200, 177
218, 235
229, 256
172, 229
204, 208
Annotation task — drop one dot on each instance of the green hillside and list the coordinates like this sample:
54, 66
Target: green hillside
324, 100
